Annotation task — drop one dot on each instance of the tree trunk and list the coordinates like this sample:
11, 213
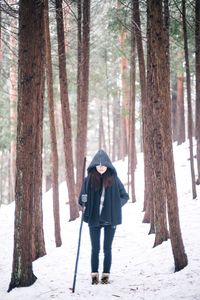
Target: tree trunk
54, 152
102, 143
155, 96
0, 37
144, 109
190, 122
125, 96
31, 46
180, 113
162, 111
131, 131
38, 244
13, 115
82, 86
66, 116
197, 66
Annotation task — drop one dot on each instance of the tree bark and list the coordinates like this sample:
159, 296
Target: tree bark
189, 104
197, 68
31, 61
82, 86
144, 109
13, 115
54, 151
131, 130
125, 96
66, 116
155, 96
162, 116
180, 113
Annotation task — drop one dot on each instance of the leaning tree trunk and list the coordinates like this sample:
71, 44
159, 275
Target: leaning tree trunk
189, 104
197, 66
54, 151
31, 55
66, 116
82, 87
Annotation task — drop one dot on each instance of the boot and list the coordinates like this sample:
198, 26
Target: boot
105, 278
95, 278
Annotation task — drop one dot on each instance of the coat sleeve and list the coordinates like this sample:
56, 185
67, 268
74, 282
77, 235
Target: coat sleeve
122, 192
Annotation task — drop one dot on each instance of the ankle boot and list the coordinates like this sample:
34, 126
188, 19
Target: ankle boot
105, 278
95, 277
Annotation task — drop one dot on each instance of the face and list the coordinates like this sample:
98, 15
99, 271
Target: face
101, 169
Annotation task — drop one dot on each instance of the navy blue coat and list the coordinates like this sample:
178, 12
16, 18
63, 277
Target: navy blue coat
115, 196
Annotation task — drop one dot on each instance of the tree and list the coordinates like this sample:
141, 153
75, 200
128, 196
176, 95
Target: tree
156, 100
54, 152
189, 104
161, 133
180, 112
197, 68
131, 131
82, 86
66, 116
30, 95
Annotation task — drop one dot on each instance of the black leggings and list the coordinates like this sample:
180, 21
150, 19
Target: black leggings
95, 233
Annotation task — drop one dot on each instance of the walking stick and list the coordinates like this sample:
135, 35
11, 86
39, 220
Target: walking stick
83, 200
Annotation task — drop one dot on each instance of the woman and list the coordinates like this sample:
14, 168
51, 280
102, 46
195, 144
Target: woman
105, 197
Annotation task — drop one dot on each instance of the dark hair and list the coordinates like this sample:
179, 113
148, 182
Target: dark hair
96, 178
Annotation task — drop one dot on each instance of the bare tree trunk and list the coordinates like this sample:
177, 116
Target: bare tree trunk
190, 122
38, 244
125, 96
155, 96
54, 151
82, 86
66, 116
144, 109
162, 111
108, 104
131, 131
31, 59
66, 13
147, 117
1, 55
102, 144
180, 257
13, 115
197, 66
180, 113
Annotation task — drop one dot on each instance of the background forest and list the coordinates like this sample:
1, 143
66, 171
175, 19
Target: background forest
76, 76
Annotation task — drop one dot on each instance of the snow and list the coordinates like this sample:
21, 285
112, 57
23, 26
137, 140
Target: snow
139, 271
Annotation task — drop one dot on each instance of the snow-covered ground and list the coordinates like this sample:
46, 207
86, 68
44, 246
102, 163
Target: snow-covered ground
139, 271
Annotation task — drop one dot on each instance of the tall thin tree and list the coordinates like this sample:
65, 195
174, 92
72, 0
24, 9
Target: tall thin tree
54, 151
189, 101
31, 72
66, 115
131, 131
82, 86
162, 133
197, 67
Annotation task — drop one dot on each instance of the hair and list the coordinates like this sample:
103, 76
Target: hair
96, 179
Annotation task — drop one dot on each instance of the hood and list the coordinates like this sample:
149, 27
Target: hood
101, 157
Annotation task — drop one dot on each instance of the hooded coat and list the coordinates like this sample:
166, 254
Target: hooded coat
115, 196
